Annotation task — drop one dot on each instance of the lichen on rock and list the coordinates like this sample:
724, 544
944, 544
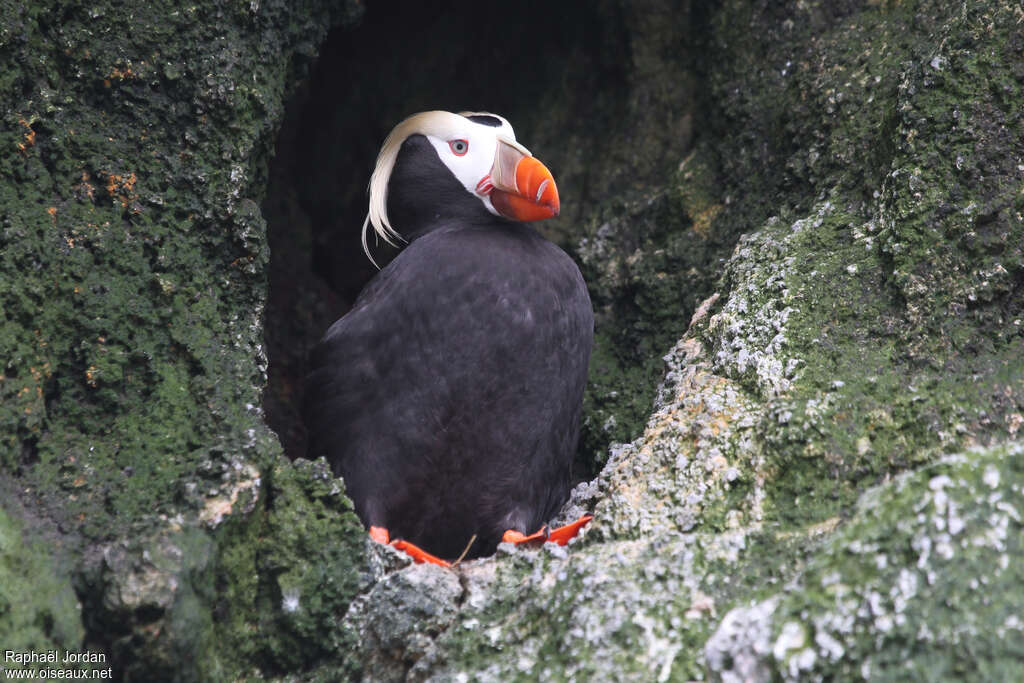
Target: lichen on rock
920, 583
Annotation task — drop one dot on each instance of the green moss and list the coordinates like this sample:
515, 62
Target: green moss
284, 579
134, 253
897, 306
622, 610
922, 584
38, 608
951, 221
133, 152
616, 405
257, 591
648, 264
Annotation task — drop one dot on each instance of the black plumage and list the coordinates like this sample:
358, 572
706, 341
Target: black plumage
449, 397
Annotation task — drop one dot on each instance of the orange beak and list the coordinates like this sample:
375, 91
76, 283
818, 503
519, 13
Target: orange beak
524, 189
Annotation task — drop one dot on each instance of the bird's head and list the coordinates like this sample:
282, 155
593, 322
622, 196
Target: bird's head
480, 152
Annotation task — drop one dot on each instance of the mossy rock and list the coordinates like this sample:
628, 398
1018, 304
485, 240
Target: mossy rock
39, 611
133, 155
921, 584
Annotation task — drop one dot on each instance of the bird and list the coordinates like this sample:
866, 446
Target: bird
448, 398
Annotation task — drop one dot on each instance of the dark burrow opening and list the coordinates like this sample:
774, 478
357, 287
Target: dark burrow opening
565, 75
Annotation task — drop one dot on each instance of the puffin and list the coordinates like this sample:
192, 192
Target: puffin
448, 398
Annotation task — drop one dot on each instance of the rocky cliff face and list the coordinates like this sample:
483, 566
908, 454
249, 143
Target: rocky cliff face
805, 252
140, 483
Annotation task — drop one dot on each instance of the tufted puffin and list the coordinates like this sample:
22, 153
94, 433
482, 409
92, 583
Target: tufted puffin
448, 398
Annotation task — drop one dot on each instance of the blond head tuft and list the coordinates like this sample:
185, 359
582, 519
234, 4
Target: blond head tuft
440, 124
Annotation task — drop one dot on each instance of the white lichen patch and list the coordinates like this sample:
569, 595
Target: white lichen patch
290, 600
222, 502
740, 647
863, 594
702, 445
749, 332
644, 595
698, 446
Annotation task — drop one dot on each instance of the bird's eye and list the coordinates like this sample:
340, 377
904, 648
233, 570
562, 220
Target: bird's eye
459, 147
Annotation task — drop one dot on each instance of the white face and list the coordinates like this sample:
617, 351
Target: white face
470, 152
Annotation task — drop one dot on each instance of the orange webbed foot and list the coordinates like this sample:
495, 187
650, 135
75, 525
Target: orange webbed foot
519, 538
419, 555
561, 535
380, 534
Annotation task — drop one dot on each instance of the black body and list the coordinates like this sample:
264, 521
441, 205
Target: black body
449, 397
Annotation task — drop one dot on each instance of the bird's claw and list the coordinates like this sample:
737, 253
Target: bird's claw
419, 555
561, 535
519, 538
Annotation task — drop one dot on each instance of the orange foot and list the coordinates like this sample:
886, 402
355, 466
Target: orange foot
561, 535
381, 535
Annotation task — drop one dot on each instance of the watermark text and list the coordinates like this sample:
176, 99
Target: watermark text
54, 665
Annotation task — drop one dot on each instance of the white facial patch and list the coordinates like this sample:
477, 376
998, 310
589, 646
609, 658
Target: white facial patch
473, 168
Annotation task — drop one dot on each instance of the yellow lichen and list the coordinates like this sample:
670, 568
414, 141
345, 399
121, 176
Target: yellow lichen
30, 137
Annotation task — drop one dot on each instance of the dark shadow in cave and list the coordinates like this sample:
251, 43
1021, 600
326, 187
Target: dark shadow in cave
548, 67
